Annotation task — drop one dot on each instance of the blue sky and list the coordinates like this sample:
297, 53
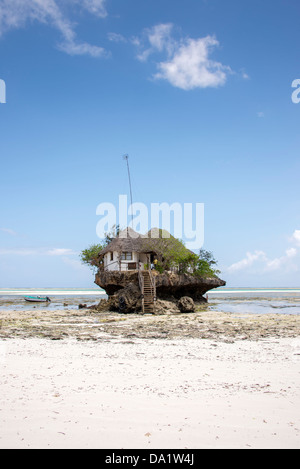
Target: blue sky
198, 93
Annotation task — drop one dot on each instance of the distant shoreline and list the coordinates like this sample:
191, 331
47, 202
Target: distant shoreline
51, 292
98, 291
228, 300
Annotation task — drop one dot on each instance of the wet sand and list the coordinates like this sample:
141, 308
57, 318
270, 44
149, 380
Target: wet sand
86, 324
80, 379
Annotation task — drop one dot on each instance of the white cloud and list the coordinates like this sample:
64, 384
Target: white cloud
160, 37
8, 231
247, 261
287, 262
296, 237
291, 252
191, 67
37, 252
72, 48
188, 64
115, 37
244, 75
18, 252
59, 252
17, 13
283, 261
96, 7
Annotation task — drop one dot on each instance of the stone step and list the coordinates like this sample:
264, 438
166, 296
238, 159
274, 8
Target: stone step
148, 293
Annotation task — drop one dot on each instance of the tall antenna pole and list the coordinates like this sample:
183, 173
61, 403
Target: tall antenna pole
126, 157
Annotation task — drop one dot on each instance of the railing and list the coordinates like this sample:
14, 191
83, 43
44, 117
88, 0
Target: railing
121, 266
153, 285
141, 283
111, 263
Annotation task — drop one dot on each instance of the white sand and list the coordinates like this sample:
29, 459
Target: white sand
149, 394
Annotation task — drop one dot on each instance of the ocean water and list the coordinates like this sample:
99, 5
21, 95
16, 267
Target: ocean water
225, 299
255, 300
61, 298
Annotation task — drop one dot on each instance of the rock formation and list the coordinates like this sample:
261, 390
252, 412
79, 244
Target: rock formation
125, 296
186, 304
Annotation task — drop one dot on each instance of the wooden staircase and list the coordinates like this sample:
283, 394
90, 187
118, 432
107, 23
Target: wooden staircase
148, 289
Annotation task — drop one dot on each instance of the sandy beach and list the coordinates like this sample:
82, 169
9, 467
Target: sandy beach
77, 379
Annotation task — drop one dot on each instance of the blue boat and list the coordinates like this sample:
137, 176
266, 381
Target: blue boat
37, 299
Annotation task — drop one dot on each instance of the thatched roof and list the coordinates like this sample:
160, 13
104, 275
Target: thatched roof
127, 240
155, 240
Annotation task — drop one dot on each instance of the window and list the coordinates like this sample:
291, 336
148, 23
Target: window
126, 256
111, 256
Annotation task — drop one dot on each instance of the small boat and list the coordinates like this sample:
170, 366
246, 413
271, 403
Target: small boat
37, 299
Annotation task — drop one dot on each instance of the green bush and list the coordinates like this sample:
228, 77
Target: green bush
90, 255
171, 253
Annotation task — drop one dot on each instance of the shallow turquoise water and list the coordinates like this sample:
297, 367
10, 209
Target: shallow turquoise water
232, 300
